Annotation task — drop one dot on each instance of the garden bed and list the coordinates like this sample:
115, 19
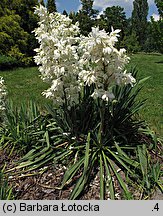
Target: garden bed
35, 186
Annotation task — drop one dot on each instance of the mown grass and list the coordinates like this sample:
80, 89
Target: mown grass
151, 65
25, 84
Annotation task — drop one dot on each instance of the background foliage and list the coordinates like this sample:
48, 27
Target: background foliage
17, 21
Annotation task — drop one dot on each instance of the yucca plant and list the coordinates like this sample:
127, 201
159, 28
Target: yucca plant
19, 126
80, 118
97, 154
74, 138
150, 173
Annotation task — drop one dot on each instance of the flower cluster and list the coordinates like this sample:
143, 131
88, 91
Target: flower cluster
69, 62
102, 64
3, 94
57, 56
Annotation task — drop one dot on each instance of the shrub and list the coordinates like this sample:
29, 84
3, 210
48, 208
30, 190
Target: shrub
15, 59
131, 43
7, 62
22, 59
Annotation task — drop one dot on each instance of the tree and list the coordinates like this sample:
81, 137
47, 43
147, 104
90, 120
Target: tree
51, 6
130, 42
115, 17
87, 7
159, 4
86, 16
65, 13
3, 8
11, 34
17, 23
25, 9
139, 20
156, 35
42, 3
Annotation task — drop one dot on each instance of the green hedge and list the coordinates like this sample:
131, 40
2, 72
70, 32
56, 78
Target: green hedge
8, 62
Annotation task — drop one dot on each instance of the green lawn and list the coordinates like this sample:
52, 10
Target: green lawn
151, 65
25, 84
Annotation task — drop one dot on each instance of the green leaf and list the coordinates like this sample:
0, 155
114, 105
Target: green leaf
125, 157
30, 163
86, 161
143, 80
78, 187
156, 171
101, 179
72, 171
142, 154
30, 154
88, 164
120, 180
47, 139
160, 185
109, 178
120, 161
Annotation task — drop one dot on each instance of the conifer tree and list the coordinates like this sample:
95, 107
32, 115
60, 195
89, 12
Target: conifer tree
139, 20
86, 16
25, 9
51, 6
65, 13
19, 16
159, 4
115, 17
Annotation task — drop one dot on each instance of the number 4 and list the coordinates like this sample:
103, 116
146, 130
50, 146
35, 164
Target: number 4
156, 207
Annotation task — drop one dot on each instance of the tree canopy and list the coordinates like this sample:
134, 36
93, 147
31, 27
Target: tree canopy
139, 19
159, 4
17, 22
86, 16
12, 34
51, 6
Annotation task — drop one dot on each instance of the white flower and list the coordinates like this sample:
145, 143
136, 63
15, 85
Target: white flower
57, 55
68, 61
124, 78
3, 94
104, 95
108, 96
88, 77
101, 62
107, 50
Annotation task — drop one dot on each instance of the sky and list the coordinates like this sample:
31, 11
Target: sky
75, 5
